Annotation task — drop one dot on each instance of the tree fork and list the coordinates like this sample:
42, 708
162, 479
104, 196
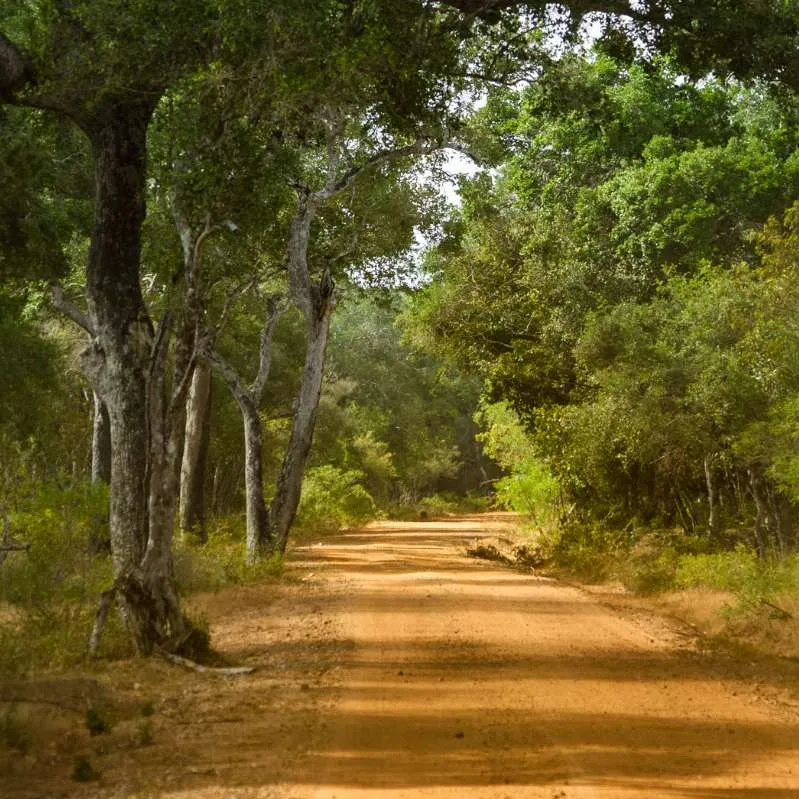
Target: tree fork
121, 357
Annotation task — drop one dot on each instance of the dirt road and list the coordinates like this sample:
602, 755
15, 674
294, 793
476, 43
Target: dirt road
396, 667
468, 680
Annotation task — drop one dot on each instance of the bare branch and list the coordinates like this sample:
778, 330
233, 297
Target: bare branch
184, 231
226, 372
275, 307
213, 333
181, 389
15, 547
419, 147
68, 308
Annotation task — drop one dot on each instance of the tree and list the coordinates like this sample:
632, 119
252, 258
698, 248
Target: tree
105, 71
615, 177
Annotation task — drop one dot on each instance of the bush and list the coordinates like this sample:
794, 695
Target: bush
752, 580
53, 589
333, 498
532, 491
221, 561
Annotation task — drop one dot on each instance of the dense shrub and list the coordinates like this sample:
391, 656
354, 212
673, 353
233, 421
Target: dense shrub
333, 497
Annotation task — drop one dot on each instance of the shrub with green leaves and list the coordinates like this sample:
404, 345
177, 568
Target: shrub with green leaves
751, 579
529, 487
53, 588
333, 497
221, 561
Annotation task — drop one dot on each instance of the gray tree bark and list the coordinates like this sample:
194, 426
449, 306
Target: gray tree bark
248, 399
101, 442
283, 509
195, 453
712, 496
119, 362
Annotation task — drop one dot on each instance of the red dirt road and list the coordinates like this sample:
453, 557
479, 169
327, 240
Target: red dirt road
394, 667
468, 680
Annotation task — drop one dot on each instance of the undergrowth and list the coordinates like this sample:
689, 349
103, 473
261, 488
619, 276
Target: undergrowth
761, 595
50, 592
49, 595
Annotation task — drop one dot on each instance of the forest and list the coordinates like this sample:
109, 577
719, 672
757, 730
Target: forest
246, 294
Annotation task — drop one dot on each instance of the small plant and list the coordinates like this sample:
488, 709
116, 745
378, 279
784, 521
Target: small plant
221, 561
148, 709
82, 770
144, 733
95, 723
14, 733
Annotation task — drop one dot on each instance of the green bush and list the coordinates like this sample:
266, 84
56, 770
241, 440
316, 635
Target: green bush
66, 561
53, 588
333, 498
529, 488
221, 561
752, 580
533, 491
14, 733
589, 551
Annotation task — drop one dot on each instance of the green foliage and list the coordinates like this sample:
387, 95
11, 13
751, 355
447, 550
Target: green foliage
96, 723
400, 417
83, 771
751, 579
52, 589
334, 497
144, 733
27, 370
221, 561
529, 488
14, 732
63, 527
612, 285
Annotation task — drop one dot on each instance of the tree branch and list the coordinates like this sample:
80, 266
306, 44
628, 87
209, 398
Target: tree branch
479, 8
274, 310
225, 671
14, 547
226, 372
69, 309
419, 147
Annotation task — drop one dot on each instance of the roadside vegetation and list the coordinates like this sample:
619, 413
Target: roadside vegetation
626, 284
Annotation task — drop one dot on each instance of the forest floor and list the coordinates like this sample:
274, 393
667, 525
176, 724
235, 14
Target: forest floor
390, 665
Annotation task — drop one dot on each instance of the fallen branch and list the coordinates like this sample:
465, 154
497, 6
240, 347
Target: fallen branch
231, 671
14, 547
776, 611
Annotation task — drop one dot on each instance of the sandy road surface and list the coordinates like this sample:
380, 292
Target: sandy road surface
467, 680
393, 666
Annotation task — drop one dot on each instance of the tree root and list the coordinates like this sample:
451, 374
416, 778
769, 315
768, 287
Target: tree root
230, 671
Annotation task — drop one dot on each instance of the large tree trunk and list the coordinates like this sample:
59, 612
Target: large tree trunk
119, 359
289, 485
101, 442
195, 453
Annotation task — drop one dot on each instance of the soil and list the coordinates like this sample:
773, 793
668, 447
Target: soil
391, 665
